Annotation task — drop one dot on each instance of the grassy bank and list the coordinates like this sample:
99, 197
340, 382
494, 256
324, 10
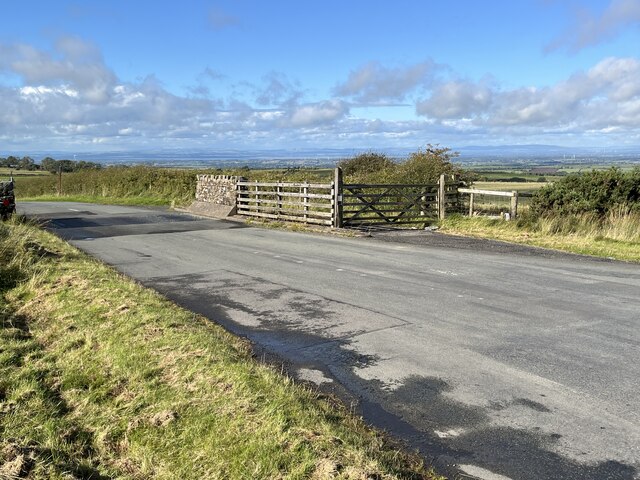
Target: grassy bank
615, 236
143, 185
101, 378
138, 185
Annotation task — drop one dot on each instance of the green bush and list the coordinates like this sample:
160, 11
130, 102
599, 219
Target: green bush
421, 167
367, 166
598, 192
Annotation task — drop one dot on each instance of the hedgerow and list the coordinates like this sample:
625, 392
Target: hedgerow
597, 192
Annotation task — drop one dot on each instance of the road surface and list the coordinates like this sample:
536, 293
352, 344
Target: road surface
509, 362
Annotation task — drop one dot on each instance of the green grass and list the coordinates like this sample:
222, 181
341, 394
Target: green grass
510, 186
143, 185
102, 378
617, 236
7, 172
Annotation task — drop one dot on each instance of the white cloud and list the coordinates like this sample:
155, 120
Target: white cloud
606, 95
590, 29
318, 113
374, 83
73, 63
69, 98
456, 99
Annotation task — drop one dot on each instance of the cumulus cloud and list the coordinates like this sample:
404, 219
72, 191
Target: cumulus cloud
456, 99
68, 94
590, 29
375, 83
75, 63
317, 113
607, 95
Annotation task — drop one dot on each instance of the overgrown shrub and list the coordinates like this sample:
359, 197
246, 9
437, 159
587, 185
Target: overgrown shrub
598, 192
421, 167
426, 166
367, 166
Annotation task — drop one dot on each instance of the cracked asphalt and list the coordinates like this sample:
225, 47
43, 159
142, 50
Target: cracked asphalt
501, 361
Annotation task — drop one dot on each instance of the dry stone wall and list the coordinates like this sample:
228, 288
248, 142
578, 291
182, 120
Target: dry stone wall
217, 189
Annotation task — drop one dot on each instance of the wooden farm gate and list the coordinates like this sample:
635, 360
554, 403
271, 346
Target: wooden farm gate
397, 204
338, 204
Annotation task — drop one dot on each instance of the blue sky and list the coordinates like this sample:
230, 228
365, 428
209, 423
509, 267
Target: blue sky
240, 74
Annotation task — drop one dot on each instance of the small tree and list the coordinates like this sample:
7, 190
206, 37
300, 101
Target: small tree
26, 163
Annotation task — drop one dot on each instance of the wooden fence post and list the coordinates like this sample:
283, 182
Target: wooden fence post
278, 200
305, 202
337, 198
513, 211
471, 201
442, 197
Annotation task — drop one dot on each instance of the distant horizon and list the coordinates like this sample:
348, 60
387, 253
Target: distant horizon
310, 157
509, 149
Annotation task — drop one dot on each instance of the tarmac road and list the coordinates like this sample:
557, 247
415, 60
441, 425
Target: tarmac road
507, 361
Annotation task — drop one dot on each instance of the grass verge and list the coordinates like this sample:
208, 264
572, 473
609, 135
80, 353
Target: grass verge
102, 378
616, 237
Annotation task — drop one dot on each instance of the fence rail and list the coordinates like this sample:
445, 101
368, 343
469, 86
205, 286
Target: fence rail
388, 204
354, 205
397, 204
513, 195
299, 202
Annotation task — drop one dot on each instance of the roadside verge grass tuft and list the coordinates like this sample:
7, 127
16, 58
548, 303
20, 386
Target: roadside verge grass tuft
616, 236
102, 378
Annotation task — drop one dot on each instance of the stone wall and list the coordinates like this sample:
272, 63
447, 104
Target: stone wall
217, 189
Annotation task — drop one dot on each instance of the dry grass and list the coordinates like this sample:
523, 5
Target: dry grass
615, 236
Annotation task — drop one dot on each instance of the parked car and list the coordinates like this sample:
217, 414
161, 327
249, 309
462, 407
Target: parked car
7, 199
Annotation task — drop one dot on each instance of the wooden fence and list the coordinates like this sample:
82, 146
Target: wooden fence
513, 195
297, 202
338, 204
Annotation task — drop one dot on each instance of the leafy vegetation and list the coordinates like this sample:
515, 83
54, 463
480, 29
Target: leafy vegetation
47, 164
53, 166
598, 192
421, 167
367, 165
146, 184
595, 213
101, 378
24, 163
